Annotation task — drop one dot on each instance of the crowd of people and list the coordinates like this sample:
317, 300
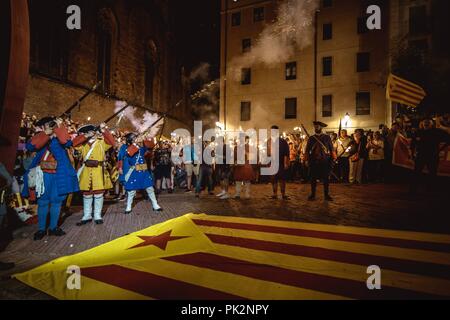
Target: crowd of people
356, 158
58, 159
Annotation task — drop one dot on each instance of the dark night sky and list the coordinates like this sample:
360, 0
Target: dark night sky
198, 33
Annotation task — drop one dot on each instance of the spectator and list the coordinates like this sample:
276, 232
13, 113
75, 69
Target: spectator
243, 173
357, 155
163, 167
342, 151
283, 165
205, 176
375, 147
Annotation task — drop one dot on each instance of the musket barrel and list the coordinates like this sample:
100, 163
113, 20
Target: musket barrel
84, 96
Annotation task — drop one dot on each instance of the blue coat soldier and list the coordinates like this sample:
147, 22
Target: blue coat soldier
52, 174
122, 165
319, 152
137, 174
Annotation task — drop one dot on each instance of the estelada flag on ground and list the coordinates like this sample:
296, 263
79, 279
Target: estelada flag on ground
403, 91
215, 257
402, 156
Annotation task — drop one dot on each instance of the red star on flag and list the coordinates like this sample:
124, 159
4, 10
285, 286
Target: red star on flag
159, 241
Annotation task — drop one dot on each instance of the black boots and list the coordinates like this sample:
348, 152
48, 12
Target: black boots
83, 222
39, 235
57, 232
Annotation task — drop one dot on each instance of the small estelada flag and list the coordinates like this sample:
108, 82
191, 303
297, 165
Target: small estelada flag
403, 91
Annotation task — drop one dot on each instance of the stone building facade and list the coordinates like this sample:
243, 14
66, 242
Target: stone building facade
342, 71
128, 45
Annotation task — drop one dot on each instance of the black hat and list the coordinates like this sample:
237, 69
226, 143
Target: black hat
130, 137
319, 123
44, 121
87, 128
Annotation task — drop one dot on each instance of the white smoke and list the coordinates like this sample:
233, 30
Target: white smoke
140, 123
205, 101
292, 30
200, 72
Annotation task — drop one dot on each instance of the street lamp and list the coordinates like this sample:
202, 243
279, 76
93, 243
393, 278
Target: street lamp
346, 119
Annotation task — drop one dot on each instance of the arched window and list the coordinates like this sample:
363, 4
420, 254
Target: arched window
151, 66
105, 38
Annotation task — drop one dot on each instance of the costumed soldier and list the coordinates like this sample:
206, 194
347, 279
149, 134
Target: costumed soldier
51, 174
137, 176
122, 165
93, 176
319, 152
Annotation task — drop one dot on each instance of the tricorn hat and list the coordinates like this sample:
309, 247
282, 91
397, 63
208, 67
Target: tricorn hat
44, 121
87, 128
319, 123
130, 137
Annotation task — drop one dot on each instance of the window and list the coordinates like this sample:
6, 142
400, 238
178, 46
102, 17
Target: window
291, 70
106, 31
246, 76
327, 66
363, 62
418, 20
104, 60
246, 108
327, 106
327, 31
362, 25
258, 14
236, 19
246, 45
290, 107
327, 3
362, 103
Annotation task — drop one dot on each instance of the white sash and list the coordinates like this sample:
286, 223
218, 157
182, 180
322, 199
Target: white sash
87, 158
36, 178
131, 170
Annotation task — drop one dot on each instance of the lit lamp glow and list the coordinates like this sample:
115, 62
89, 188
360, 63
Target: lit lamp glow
346, 119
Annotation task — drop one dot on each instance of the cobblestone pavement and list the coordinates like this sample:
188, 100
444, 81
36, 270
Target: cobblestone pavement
374, 206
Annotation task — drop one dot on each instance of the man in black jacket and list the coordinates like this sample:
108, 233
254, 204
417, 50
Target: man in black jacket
319, 152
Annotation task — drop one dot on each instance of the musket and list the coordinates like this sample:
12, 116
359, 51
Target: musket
117, 113
325, 149
113, 116
78, 102
152, 125
159, 119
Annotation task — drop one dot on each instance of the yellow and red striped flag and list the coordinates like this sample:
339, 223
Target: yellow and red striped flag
403, 91
215, 257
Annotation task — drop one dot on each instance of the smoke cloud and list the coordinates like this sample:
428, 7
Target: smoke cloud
205, 101
292, 30
141, 122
